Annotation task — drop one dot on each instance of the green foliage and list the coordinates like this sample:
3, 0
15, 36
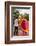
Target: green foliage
26, 16
16, 14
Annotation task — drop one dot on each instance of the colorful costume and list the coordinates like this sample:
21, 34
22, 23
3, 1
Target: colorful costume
25, 25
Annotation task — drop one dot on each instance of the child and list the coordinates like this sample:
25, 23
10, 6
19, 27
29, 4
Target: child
16, 26
24, 25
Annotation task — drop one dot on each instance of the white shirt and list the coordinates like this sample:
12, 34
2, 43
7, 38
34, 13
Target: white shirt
16, 22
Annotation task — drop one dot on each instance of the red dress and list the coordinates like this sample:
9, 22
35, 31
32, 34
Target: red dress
24, 25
